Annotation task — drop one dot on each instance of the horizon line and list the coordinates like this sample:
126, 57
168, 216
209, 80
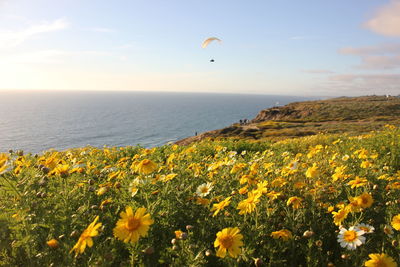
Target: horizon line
18, 90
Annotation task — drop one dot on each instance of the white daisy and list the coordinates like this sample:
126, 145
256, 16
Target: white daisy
368, 229
232, 154
388, 230
204, 189
133, 188
293, 165
351, 238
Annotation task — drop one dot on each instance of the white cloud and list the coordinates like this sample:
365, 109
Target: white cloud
15, 38
366, 77
379, 57
386, 20
380, 62
381, 49
365, 83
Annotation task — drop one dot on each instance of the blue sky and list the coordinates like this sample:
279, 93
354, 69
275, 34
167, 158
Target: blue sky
308, 47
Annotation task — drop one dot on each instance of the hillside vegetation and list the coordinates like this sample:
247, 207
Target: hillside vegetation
352, 115
322, 200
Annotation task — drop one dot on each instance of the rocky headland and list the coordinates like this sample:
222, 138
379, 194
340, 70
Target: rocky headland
351, 115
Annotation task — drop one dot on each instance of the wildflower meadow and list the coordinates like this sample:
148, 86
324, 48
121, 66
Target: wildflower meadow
323, 200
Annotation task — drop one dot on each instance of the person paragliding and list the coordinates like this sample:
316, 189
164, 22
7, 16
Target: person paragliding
208, 41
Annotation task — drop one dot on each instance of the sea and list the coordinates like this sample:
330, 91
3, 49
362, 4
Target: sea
36, 121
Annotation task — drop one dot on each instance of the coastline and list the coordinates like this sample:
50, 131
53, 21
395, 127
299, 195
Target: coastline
349, 115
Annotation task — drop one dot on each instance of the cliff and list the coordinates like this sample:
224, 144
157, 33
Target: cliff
352, 115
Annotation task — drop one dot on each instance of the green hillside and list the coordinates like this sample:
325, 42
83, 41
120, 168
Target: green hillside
349, 115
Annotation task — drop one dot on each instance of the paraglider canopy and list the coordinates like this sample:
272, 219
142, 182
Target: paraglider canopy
209, 40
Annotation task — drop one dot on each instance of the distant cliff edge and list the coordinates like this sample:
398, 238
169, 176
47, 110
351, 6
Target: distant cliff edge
352, 115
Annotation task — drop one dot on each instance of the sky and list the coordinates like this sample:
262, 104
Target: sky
281, 47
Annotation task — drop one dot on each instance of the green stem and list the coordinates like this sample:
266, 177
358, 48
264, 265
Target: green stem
256, 218
133, 249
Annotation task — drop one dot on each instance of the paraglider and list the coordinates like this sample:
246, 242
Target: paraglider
208, 41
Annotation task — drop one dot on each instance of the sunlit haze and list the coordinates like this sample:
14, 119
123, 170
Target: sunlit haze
282, 47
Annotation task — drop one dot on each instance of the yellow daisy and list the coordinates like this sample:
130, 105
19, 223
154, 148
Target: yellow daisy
3, 163
365, 164
86, 237
248, 205
357, 182
295, 202
365, 200
62, 170
274, 195
312, 172
396, 222
132, 226
339, 216
221, 205
284, 234
380, 260
237, 167
146, 166
229, 240
354, 205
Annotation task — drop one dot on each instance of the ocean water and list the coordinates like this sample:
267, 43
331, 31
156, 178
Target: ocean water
35, 121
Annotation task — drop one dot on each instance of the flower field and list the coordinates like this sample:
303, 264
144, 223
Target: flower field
323, 200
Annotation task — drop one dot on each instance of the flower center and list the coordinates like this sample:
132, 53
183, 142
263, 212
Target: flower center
283, 235
146, 162
85, 234
388, 231
204, 190
226, 241
365, 229
380, 263
250, 201
132, 224
350, 236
